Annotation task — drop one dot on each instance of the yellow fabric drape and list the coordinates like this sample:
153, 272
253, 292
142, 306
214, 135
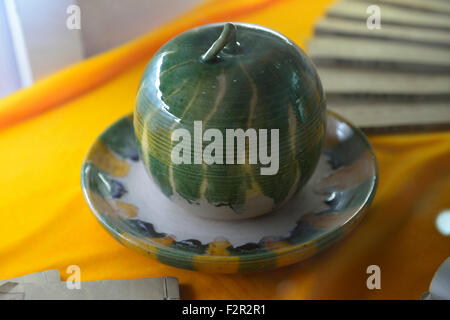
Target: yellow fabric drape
46, 130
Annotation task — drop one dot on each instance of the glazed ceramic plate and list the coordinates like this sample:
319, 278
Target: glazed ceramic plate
138, 215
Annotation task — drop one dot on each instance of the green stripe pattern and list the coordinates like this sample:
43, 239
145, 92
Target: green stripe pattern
269, 83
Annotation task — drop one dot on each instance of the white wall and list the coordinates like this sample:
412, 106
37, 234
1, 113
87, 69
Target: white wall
50, 44
9, 76
35, 41
108, 23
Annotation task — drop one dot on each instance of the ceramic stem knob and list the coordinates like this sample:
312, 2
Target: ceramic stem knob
206, 89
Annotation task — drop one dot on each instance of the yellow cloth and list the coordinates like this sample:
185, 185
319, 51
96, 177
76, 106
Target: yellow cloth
45, 222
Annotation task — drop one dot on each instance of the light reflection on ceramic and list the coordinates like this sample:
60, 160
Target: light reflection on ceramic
329, 206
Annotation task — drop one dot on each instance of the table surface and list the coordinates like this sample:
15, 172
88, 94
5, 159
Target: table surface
46, 130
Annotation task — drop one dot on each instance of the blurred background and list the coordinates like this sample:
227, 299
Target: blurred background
395, 54
36, 42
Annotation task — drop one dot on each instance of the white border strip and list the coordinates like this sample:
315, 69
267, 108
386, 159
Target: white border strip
20, 47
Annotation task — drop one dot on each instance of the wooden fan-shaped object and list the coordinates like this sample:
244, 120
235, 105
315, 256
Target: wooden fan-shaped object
392, 78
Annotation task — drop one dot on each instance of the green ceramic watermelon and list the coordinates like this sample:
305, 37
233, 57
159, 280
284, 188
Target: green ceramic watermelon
230, 76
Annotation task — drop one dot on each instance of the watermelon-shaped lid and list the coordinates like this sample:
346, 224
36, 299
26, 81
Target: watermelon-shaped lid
230, 75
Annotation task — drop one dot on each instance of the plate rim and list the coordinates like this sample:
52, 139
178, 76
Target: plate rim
177, 254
